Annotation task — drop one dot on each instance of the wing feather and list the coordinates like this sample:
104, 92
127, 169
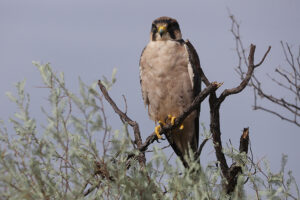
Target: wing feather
194, 63
144, 92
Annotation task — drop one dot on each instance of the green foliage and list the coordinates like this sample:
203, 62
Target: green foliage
76, 152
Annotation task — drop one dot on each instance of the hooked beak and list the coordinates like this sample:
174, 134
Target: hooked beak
162, 30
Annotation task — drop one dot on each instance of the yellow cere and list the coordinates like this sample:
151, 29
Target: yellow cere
162, 28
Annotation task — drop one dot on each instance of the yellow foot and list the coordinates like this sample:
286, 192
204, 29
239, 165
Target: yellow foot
181, 127
172, 118
161, 123
157, 129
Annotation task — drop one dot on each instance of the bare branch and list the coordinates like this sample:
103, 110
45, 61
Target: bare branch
263, 59
279, 83
277, 114
201, 147
249, 73
124, 117
244, 141
235, 169
149, 140
291, 78
231, 173
291, 84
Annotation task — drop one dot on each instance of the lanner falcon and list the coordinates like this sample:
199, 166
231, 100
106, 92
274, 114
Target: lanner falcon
170, 80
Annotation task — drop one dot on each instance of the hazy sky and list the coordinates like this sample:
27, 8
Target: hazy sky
90, 38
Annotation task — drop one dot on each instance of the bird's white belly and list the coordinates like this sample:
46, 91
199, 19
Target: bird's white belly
167, 74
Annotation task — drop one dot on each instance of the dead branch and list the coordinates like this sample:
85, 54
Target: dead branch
201, 147
235, 169
230, 173
249, 74
263, 59
244, 141
123, 116
288, 79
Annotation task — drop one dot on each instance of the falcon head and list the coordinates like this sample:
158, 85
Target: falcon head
165, 28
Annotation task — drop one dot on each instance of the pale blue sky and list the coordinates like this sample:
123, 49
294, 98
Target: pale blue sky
90, 38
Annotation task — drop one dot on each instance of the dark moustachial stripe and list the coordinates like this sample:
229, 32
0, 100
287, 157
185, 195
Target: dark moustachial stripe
172, 34
172, 27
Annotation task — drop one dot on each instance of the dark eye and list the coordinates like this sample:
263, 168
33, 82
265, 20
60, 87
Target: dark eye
173, 26
153, 28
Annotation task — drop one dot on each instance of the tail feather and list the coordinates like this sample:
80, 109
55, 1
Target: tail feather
181, 140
